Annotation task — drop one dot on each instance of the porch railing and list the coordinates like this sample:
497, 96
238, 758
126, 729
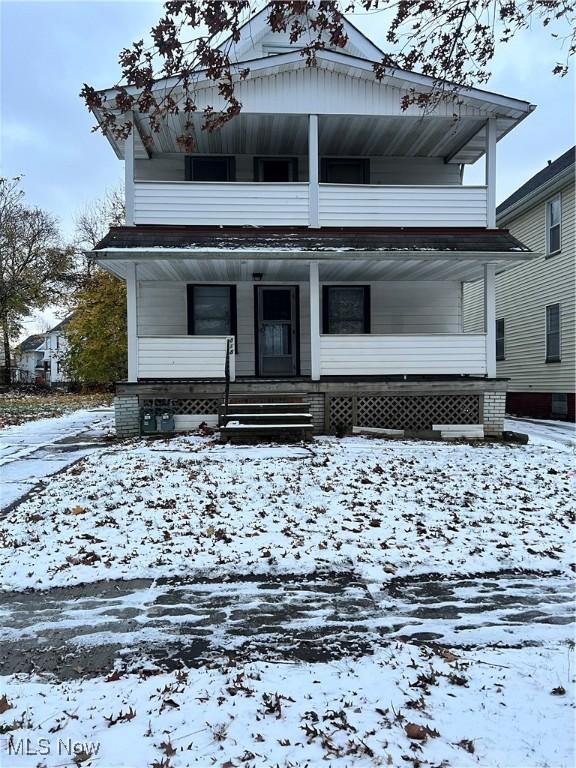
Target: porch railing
378, 355
185, 357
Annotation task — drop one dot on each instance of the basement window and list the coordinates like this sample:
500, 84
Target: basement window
559, 404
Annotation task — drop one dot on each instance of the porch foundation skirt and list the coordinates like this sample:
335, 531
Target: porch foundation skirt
336, 407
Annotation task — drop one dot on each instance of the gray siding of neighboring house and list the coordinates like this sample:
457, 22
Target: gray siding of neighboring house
522, 294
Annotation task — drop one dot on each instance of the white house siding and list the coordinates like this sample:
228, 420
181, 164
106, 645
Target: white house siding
522, 293
412, 307
383, 170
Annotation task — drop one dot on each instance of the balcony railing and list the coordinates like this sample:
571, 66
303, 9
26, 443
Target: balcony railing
423, 354
295, 204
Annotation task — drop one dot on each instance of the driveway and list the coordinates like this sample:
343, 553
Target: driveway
31, 452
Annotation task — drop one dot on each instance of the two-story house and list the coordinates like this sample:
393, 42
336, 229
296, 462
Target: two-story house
535, 302
324, 237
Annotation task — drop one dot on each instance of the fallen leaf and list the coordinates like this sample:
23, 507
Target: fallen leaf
4, 704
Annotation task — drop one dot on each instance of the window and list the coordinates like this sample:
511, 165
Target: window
212, 310
273, 49
553, 333
346, 309
553, 223
215, 168
275, 169
345, 170
559, 404
500, 339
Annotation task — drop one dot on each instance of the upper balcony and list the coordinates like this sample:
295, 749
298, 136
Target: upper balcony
310, 171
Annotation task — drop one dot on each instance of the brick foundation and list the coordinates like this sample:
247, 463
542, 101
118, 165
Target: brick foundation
317, 410
493, 413
127, 415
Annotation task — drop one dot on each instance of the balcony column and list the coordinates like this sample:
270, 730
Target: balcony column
490, 173
490, 318
132, 320
313, 187
129, 172
314, 320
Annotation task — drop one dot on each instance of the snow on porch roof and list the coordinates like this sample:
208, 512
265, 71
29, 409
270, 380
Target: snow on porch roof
195, 240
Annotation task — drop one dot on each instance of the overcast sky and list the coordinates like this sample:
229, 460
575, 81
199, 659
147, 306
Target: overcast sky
49, 49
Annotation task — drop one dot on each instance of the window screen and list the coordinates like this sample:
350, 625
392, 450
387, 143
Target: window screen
346, 309
211, 310
344, 170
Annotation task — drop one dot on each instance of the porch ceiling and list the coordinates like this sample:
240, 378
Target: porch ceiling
283, 270
457, 141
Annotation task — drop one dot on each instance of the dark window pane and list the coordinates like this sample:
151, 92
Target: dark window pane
553, 332
345, 310
500, 339
560, 404
278, 170
345, 171
276, 305
212, 311
554, 242
211, 169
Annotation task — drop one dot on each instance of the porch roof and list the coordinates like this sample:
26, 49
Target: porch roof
197, 240
228, 254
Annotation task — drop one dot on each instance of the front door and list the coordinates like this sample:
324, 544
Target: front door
277, 330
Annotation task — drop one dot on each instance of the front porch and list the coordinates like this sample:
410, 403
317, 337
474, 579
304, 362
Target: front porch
367, 329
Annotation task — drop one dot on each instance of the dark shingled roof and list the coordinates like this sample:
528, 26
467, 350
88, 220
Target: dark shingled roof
539, 179
231, 239
31, 343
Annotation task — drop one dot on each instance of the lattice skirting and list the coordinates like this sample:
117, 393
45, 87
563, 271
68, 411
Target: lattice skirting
413, 412
186, 406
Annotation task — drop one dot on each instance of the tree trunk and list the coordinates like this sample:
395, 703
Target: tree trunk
7, 358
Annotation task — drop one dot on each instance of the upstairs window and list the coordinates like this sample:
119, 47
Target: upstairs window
346, 309
553, 224
212, 310
553, 333
345, 170
279, 169
214, 168
500, 339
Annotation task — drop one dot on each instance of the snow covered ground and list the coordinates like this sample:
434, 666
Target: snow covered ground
192, 507
502, 697
542, 432
37, 449
401, 706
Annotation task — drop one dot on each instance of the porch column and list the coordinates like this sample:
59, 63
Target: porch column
313, 188
490, 318
490, 173
129, 172
132, 320
315, 320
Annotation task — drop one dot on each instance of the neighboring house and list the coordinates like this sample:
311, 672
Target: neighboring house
324, 234
55, 345
535, 302
28, 361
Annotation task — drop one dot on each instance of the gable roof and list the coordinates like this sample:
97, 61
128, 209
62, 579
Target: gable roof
558, 169
255, 30
31, 343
